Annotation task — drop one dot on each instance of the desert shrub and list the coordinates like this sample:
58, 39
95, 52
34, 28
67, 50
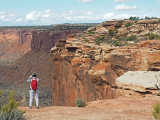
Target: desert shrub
0, 98
80, 102
15, 114
100, 40
153, 36
79, 35
156, 111
11, 104
131, 38
118, 37
116, 43
112, 32
91, 32
10, 111
128, 24
0, 93
86, 40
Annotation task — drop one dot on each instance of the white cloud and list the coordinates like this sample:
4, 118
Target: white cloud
124, 7
2, 17
122, 0
34, 15
19, 20
85, 1
38, 15
7, 16
124, 16
76, 13
159, 1
89, 13
108, 16
50, 17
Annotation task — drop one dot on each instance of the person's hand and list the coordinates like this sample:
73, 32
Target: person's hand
30, 76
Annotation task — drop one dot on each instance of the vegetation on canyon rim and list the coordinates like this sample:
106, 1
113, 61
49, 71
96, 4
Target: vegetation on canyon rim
80, 102
9, 110
113, 36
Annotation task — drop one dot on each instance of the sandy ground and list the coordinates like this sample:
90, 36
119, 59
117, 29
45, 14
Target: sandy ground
110, 109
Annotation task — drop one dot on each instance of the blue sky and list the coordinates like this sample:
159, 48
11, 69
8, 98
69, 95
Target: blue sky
47, 12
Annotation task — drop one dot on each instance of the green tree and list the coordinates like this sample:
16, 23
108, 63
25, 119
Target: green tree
134, 18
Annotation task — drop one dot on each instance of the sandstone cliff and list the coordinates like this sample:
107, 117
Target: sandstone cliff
45, 40
14, 43
27, 51
86, 69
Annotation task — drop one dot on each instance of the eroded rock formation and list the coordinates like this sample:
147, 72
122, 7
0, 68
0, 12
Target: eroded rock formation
14, 43
45, 40
88, 70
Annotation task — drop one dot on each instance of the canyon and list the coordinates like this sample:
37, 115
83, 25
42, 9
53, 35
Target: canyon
24, 51
86, 64
14, 43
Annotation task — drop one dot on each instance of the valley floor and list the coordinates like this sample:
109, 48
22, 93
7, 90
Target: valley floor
110, 109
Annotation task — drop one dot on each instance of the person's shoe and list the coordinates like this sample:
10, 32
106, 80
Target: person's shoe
37, 107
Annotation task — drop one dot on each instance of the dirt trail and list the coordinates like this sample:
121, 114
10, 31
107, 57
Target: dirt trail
111, 109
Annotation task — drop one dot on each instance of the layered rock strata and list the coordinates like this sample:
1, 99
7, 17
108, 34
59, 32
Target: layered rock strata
88, 70
45, 40
14, 43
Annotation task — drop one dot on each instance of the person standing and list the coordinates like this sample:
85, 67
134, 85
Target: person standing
34, 83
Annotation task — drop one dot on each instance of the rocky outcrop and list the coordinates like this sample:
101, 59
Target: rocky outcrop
127, 28
88, 69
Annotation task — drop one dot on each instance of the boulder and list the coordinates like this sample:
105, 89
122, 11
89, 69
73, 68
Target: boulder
106, 57
141, 81
98, 58
54, 49
145, 32
122, 31
102, 30
114, 23
158, 27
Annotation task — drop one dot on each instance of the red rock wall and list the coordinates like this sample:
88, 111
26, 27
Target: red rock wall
72, 80
14, 43
90, 71
45, 40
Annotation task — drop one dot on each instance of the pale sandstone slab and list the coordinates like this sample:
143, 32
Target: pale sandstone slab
138, 80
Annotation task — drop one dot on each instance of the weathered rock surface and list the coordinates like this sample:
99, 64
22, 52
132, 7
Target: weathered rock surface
45, 40
14, 43
141, 81
126, 27
81, 66
85, 69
